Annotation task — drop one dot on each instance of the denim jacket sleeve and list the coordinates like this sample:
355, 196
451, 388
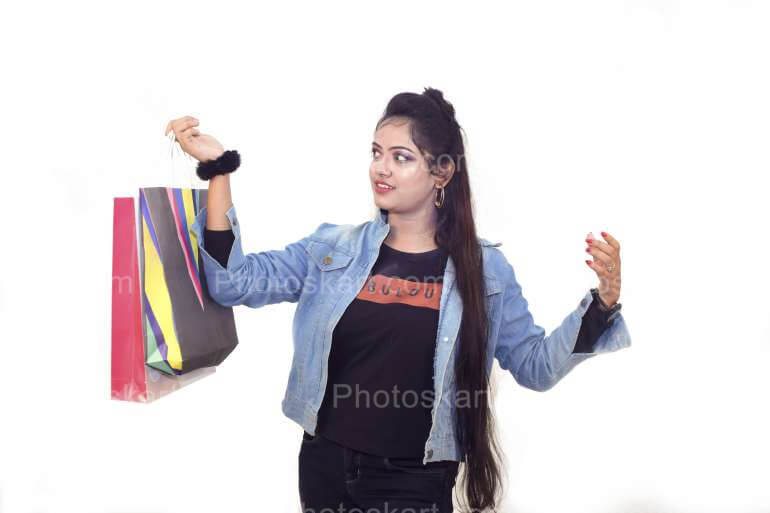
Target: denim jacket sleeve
536, 360
254, 279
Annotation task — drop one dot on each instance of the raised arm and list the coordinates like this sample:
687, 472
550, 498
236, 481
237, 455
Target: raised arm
256, 279
536, 360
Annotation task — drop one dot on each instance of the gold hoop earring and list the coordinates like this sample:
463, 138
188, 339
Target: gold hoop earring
440, 202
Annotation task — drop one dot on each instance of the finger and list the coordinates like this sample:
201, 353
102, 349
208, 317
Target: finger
182, 123
172, 124
603, 247
188, 132
183, 136
185, 123
599, 255
607, 280
612, 241
600, 270
615, 273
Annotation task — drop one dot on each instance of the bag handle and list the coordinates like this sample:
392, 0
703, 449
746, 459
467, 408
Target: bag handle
190, 178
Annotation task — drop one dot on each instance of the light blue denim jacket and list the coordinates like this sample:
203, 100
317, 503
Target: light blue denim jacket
323, 273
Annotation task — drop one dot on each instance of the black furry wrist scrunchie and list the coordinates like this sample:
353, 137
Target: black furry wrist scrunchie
226, 163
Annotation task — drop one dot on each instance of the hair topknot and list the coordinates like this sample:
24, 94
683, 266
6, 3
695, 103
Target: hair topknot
437, 96
434, 129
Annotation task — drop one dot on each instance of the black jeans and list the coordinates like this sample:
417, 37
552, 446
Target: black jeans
337, 479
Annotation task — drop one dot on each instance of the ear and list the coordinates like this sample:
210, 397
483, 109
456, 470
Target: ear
445, 168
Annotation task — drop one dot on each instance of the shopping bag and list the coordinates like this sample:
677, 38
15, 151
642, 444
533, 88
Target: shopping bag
184, 328
143, 326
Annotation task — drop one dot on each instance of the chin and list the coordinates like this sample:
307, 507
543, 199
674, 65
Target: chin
380, 202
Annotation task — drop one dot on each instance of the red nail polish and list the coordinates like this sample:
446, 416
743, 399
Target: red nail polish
604, 234
588, 250
588, 262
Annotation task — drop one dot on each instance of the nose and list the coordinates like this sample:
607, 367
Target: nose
380, 171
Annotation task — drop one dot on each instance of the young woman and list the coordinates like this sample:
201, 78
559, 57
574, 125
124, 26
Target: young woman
399, 319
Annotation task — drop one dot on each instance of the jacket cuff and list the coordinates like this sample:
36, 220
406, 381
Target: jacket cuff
222, 280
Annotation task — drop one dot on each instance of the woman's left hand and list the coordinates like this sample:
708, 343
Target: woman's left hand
606, 265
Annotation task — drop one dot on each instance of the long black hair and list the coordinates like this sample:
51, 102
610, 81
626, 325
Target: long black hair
435, 131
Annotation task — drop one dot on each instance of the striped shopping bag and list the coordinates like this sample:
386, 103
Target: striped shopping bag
167, 331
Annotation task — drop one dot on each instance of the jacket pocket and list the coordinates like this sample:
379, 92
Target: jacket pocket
415, 466
491, 284
328, 257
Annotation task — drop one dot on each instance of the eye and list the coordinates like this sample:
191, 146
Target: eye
374, 150
406, 159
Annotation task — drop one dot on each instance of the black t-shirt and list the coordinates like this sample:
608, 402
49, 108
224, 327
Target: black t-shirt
380, 367
379, 392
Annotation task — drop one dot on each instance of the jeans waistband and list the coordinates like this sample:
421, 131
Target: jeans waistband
374, 459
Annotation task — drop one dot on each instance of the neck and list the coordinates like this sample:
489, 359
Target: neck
412, 231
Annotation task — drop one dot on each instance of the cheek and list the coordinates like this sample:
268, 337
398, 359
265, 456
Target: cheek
415, 183
413, 175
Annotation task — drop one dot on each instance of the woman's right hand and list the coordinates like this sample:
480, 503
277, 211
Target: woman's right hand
202, 147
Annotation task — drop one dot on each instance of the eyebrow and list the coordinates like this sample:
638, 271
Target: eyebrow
394, 147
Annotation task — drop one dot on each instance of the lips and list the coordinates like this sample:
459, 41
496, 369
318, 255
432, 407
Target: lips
378, 183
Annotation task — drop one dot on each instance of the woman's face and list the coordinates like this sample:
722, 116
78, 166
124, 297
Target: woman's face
397, 162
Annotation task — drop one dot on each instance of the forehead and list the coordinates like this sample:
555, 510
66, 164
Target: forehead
394, 131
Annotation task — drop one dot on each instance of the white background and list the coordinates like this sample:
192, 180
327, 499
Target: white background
648, 119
